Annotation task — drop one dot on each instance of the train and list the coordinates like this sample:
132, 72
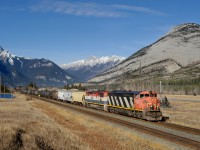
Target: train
138, 104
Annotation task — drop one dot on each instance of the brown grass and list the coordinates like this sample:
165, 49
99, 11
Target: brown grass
185, 97
24, 127
184, 113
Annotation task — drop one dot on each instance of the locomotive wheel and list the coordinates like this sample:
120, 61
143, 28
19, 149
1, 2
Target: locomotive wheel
108, 109
138, 114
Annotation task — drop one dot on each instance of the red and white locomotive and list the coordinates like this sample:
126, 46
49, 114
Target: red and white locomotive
139, 104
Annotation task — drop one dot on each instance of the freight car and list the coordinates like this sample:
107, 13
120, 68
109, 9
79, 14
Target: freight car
139, 104
61, 94
77, 97
72, 96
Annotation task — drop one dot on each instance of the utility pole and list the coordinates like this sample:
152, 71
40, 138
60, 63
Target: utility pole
0, 86
4, 88
107, 86
160, 87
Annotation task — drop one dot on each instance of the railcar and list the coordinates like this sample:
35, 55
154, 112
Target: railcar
77, 97
96, 99
62, 95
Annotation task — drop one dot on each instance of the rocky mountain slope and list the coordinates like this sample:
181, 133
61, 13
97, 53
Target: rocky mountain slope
177, 49
84, 70
16, 70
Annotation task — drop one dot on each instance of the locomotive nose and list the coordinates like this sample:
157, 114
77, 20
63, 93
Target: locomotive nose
151, 107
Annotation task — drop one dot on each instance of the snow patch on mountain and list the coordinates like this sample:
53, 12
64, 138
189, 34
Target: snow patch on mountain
47, 65
6, 56
54, 79
38, 64
40, 77
13, 74
68, 77
20, 62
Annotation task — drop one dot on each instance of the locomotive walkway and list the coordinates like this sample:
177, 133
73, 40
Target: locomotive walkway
181, 135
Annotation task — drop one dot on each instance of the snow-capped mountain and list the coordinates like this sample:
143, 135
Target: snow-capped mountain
17, 70
179, 48
83, 70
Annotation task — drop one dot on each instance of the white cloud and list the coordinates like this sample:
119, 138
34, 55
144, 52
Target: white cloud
76, 8
89, 9
139, 9
40, 77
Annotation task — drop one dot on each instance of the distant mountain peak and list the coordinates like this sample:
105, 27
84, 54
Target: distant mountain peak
6, 56
185, 28
90, 67
92, 61
92, 58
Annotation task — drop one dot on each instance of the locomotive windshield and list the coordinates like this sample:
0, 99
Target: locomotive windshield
101, 94
148, 95
153, 95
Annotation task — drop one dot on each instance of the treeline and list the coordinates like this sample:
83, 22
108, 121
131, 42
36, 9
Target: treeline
4, 89
187, 86
183, 87
73, 86
168, 86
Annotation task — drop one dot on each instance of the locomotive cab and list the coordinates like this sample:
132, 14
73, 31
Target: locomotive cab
96, 99
149, 104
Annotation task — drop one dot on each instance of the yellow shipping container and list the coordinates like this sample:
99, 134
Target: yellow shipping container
77, 96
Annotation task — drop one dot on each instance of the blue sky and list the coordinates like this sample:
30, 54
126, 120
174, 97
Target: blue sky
68, 30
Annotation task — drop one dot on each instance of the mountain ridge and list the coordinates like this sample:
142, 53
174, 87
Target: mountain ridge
180, 47
20, 70
85, 69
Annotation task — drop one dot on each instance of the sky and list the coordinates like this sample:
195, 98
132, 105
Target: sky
69, 30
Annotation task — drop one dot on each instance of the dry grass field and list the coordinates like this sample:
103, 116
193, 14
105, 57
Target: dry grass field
186, 113
183, 97
24, 127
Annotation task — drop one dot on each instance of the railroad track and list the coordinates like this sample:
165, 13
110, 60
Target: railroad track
172, 137
180, 128
175, 127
